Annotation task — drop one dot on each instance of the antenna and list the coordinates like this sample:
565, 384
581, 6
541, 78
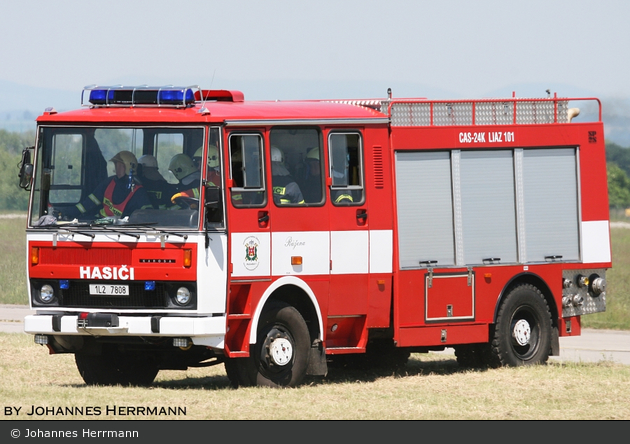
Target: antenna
203, 109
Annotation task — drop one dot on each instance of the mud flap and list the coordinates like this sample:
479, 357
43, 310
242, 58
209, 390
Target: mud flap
555, 342
317, 365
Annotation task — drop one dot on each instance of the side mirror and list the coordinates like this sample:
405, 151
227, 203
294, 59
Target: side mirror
214, 210
213, 197
26, 169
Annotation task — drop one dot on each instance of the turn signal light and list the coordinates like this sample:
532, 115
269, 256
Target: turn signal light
187, 258
296, 260
34, 255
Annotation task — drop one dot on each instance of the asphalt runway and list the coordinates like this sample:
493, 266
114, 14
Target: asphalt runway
591, 346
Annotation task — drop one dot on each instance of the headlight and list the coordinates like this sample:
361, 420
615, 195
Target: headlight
183, 296
46, 294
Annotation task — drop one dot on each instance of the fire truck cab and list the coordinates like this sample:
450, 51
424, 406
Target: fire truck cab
173, 227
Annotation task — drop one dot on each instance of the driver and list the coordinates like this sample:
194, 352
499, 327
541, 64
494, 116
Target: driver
189, 177
118, 195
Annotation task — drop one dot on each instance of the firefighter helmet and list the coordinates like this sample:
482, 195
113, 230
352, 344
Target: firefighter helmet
276, 154
127, 158
181, 166
237, 155
213, 156
313, 154
148, 161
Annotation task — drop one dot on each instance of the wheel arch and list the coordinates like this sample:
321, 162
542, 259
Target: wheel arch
536, 281
297, 293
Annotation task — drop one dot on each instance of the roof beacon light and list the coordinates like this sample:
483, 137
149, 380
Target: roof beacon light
174, 96
101, 96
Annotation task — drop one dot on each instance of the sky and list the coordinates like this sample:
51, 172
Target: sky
325, 49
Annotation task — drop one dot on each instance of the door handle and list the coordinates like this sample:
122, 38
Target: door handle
263, 219
361, 217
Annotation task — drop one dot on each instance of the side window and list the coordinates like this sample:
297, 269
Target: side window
346, 168
65, 170
297, 176
246, 170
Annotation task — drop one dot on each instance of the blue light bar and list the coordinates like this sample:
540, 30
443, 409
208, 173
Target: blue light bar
142, 96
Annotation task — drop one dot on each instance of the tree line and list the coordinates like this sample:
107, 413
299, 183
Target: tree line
12, 197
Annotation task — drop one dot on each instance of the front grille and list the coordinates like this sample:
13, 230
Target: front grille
82, 256
77, 295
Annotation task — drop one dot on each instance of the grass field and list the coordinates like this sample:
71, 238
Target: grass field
616, 316
13, 260
430, 387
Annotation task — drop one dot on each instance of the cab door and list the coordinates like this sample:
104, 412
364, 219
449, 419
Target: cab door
248, 208
349, 223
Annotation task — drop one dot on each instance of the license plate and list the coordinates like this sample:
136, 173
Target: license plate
109, 290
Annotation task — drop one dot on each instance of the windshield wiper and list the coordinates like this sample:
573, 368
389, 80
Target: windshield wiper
106, 225
165, 234
146, 227
72, 233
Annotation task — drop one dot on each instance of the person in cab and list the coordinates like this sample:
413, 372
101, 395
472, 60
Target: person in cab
213, 175
213, 181
158, 188
286, 191
311, 183
118, 195
189, 177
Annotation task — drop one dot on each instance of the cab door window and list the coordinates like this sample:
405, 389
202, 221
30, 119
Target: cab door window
246, 170
346, 168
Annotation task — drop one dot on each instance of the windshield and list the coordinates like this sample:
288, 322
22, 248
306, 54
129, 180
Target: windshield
133, 176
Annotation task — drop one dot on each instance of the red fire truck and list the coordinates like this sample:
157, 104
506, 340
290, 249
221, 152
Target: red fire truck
283, 235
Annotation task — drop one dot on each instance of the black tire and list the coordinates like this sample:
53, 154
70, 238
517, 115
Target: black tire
522, 334
113, 367
280, 356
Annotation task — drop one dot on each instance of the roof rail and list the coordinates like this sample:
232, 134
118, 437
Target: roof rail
508, 111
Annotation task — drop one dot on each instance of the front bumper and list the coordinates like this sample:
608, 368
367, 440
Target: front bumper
206, 331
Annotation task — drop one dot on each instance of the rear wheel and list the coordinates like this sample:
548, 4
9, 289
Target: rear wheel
114, 367
280, 356
522, 334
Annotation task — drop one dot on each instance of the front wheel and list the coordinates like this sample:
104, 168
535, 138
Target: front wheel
280, 355
522, 334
